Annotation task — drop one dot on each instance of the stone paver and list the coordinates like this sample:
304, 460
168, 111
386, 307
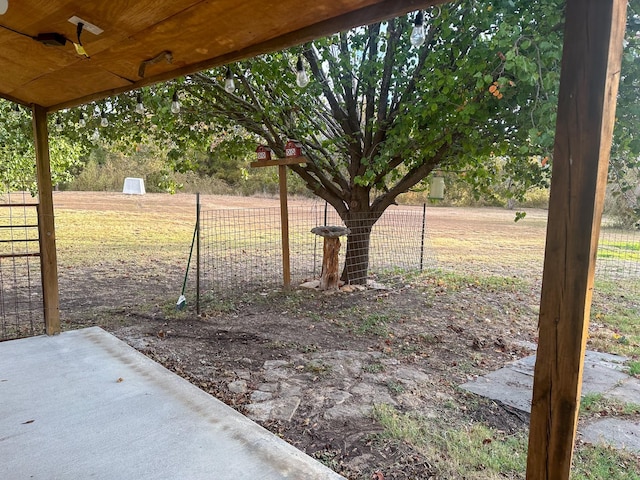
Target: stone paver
349, 392
603, 374
617, 432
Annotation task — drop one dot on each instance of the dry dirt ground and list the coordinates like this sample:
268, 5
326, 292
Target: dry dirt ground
311, 366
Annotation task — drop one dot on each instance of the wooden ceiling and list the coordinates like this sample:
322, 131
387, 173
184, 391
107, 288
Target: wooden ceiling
199, 34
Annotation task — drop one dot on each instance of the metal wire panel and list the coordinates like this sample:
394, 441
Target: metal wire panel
21, 312
619, 256
242, 248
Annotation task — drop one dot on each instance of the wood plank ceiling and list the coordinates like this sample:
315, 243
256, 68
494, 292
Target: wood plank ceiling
199, 34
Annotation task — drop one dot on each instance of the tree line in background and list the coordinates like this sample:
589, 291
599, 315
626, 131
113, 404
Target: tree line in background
474, 99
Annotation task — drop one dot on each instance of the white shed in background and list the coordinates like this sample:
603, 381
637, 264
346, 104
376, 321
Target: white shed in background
133, 186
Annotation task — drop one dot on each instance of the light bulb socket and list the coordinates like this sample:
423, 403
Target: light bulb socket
175, 103
299, 66
139, 104
229, 84
419, 20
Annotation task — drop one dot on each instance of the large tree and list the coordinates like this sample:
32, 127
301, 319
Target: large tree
380, 114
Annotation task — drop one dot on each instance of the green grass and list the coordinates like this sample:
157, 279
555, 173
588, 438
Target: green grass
109, 236
633, 368
475, 451
469, 451
373, 367
619, 250
615, 315
374, 324
598, 404
456, 281
599, 462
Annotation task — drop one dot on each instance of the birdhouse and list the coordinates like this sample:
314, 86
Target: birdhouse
263, 152
293, 148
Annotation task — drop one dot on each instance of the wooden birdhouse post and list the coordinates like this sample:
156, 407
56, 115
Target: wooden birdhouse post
293, 150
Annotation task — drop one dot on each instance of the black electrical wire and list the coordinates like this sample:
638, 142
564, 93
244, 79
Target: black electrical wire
19, 33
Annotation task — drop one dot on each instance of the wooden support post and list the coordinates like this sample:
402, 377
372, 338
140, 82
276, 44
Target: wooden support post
46, 224
282, 163
284, 225
590, 74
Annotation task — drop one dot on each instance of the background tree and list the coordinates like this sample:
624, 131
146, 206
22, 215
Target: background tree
380, 115
17, 155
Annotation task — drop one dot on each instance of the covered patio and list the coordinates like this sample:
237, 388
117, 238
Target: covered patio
145, 42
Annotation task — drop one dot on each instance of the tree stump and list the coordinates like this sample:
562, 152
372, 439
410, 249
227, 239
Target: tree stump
329, 278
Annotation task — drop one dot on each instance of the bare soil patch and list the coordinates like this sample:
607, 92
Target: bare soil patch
311, 366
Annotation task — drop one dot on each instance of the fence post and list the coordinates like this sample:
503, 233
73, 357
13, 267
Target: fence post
424, 221
198, 253
326, 204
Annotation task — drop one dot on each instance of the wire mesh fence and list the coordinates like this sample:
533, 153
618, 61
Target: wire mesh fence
21, 312
619, 256
242, 249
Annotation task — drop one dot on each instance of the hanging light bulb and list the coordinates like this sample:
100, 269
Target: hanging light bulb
139, 104
229, 84
104, 121
59, 125
4, 6
82, 122
302, 79
417, 34
175, 103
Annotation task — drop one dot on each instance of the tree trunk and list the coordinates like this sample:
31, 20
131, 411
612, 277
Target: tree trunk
329, 278
356, 265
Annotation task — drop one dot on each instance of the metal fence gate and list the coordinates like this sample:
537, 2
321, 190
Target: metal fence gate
21, 312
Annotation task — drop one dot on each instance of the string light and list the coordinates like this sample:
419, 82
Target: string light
4, 5
104, 121
59, 125
302, 79
229, 84
139, 104
175, 104
82, 122
417, 34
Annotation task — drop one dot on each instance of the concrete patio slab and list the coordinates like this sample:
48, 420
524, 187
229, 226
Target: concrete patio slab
84, 404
